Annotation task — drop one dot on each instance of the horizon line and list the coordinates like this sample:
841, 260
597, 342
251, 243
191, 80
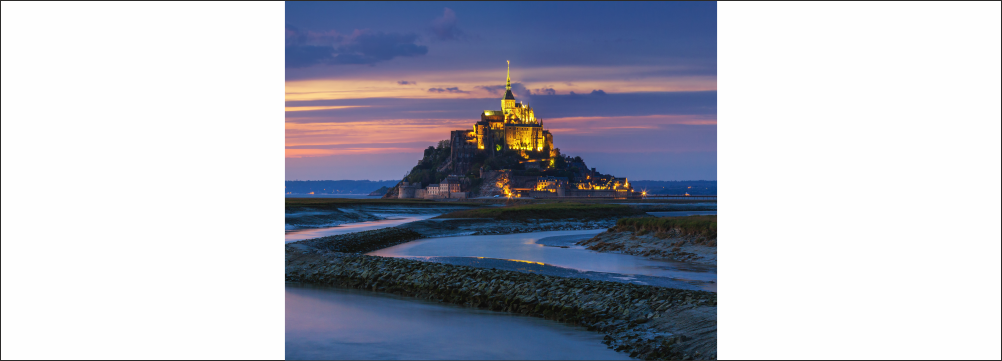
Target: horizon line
390, 180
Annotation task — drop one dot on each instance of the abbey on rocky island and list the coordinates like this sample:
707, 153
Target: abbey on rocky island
525, 163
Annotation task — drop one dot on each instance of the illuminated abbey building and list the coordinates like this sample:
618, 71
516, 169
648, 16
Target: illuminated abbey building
514, 127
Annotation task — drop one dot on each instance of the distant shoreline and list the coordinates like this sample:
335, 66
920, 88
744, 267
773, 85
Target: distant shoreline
328, 195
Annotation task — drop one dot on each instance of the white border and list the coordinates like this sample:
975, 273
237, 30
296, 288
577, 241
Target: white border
859, 180
120, 123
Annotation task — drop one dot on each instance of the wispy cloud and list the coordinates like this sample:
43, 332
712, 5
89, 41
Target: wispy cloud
444, 27
305, 48
599, 125
370, 137
368, 83
545, 91
492, 89
322, 107
447, 90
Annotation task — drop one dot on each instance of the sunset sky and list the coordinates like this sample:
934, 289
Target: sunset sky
629, 87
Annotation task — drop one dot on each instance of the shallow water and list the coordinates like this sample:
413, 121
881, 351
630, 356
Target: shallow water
338, 324
352, 196
682, 213
670, 204
391, 220
545, 269
551, 249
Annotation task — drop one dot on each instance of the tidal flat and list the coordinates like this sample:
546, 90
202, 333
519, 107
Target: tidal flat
684, 239
330, 212
647, 313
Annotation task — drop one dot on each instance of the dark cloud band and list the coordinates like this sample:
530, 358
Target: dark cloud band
303, 49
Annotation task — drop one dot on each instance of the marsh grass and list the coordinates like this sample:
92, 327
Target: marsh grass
548, 211
700, 227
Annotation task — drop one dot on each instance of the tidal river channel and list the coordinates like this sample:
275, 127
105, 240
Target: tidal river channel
391, 220
554, 253
344, 324
335, 323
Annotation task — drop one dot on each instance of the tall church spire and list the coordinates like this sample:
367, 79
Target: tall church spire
508, 85
508, 102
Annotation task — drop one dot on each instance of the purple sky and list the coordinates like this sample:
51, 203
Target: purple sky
630, 87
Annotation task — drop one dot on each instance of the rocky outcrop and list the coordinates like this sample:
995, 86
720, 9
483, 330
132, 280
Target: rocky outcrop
495, 183
445, 167
394, 192
647, 322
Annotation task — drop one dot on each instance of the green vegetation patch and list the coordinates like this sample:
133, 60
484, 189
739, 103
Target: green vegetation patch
362, 242
700, 227
548, 211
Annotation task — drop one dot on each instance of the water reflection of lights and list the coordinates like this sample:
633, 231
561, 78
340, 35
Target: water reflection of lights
516, 260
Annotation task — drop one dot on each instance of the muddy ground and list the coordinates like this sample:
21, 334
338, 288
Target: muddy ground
683, 249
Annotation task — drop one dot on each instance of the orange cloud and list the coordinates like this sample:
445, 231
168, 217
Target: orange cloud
368, 137
345, 151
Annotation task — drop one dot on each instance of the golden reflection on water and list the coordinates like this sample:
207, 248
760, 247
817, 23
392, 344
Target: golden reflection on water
517, 260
